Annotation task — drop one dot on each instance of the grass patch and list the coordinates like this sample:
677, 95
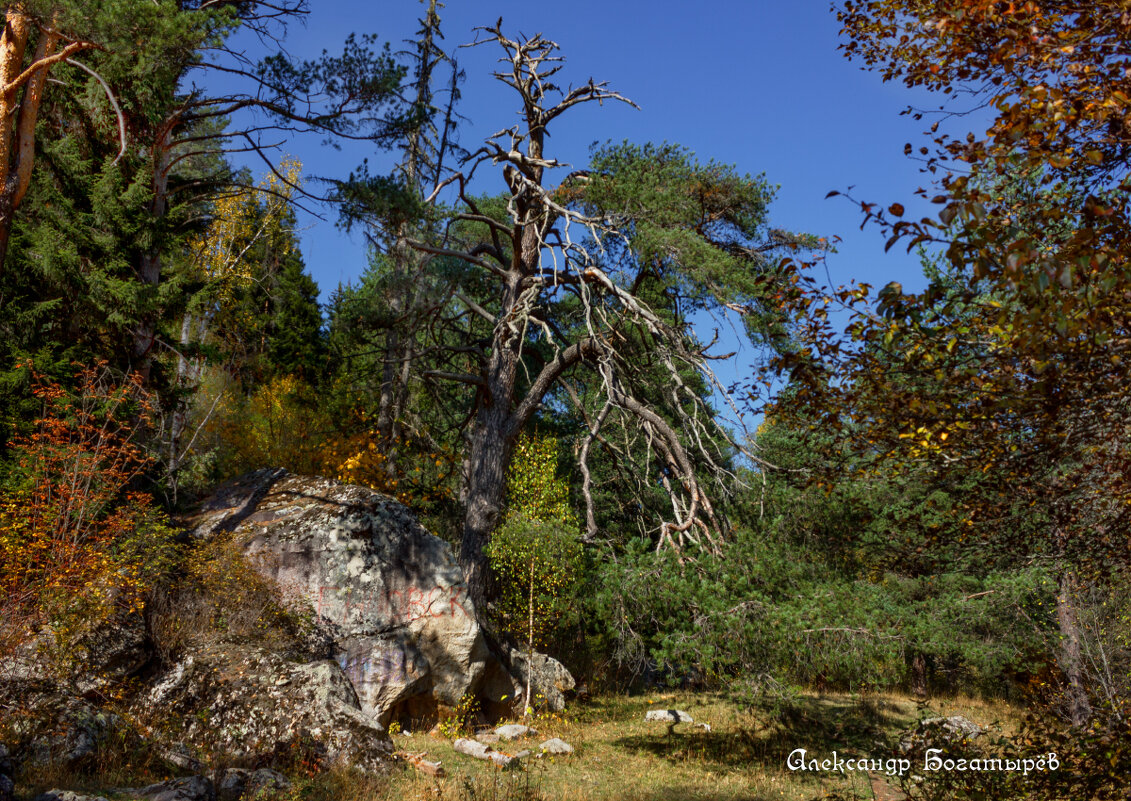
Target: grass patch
620, 757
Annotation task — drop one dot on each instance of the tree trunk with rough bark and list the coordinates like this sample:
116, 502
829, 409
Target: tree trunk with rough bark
490, 452
919, 674
149, 262
496, 430
1071, 660
18, 119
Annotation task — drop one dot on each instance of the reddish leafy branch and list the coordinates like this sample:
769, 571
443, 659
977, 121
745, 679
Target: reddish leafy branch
77, 539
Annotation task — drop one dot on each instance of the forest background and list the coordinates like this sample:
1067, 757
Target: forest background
934, 497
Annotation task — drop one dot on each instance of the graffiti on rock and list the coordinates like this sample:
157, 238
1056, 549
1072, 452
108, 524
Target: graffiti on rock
388, 666
346, 604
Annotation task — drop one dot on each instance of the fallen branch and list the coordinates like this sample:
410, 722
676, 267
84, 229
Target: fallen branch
474, 748
422, 765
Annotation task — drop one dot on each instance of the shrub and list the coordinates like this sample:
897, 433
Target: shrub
78, 540
281, 424
537, 564
219, 597
765, 610
460, 720
313, 431
416, 471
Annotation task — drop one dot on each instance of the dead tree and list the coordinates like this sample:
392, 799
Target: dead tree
545, 249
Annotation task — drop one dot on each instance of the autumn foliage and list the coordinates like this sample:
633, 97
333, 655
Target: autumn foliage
1012, 361
1009, 368
77, 541
1053, 77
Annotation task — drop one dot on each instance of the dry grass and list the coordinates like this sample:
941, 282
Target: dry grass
620, 757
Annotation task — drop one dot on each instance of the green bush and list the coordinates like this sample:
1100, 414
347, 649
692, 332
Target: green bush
766, 612
537, 564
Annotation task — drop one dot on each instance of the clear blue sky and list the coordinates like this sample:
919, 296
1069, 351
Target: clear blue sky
757, 83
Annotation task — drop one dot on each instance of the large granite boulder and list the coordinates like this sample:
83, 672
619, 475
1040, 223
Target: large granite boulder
251, 705
390, 594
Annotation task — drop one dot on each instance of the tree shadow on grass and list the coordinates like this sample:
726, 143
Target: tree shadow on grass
862, 727
687, 792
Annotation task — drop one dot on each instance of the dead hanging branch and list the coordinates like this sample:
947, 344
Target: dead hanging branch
113, 105
594, 429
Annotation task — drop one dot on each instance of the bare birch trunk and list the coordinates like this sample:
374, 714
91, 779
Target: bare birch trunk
530, 644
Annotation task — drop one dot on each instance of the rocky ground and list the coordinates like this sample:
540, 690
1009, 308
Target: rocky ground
341, 615
609, 747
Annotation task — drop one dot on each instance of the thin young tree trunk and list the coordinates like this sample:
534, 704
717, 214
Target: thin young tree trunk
530, 643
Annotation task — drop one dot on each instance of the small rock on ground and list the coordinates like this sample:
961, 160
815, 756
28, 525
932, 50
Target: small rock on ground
66, 795
190, 788
956, 725
512, 731
480, 750
669, 716
180, 755
236, 783
556, 746
939, 731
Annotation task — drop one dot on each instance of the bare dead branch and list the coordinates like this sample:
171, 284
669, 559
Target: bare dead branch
113, 104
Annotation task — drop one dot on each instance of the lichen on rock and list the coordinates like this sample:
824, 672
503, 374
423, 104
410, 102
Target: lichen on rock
388, 594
